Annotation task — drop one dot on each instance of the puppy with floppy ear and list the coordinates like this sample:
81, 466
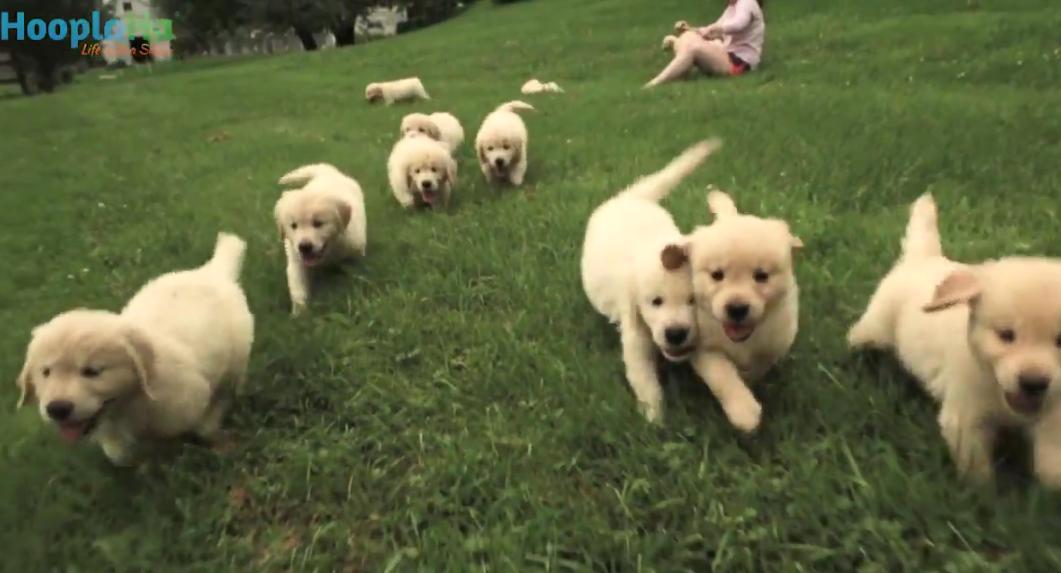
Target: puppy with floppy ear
322, 223
396, 91
421, 172
420, 125
747, 303
160, 369
442, 127
636, 272
501, 144
984, 341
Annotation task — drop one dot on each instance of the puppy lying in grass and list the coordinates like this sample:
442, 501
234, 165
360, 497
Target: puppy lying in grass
502, 144
396, 91
635, 272
164, 367
747, 303
984, 340
442, 127
422, 172
322, 223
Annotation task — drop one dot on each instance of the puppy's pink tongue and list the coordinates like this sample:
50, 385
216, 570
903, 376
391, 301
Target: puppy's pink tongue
71, 432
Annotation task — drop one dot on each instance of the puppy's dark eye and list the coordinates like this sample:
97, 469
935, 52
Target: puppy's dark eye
761, 276
1007, 335
294, 226
46, 372
490, 148
417, 172
657, 301
505, 147
434, 170
718, 275
90, 372
1058, 341
421, 130
317, 224
692, 300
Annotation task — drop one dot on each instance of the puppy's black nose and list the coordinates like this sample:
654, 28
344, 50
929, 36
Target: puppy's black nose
676, 336
427, 184
737, 311
499, 162
59, 410
1033, 385
305, 248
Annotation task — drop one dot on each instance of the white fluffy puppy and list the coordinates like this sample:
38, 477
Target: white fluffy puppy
984, 340
443, 127
534, 86
747, 303
421, 172
502, 144
322, 223
636, 273
165, 366
396, 91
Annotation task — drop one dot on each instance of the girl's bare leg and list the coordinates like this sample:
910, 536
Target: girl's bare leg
677, 68
712, 58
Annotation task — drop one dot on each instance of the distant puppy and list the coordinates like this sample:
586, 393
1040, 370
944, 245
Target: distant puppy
747, 303
321, 224
164, 367
443, 127
396, 91
421, 172
635, 272
535, 86
984, 340
502, 144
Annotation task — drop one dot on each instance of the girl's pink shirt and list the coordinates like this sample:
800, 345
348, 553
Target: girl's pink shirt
743, 24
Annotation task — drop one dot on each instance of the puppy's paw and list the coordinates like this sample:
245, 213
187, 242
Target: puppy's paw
861, 336
744, 413
653, 412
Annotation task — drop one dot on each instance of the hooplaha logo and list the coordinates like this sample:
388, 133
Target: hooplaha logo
17, 27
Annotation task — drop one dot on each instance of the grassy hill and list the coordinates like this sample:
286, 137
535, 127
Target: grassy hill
454, 403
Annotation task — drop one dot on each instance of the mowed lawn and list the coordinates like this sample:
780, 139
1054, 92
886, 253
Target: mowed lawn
453, 403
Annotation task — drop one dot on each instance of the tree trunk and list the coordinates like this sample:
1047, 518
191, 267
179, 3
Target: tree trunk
306, 37
344, 34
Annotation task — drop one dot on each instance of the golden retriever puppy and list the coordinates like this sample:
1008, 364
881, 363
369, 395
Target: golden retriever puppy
635, 272
747, 303
442, 127
164, 367
396, 91
534, 86
984, 340
421, 172
502, 144
322, 223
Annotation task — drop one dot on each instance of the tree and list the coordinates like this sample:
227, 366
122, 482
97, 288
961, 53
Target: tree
198, 23
40, 63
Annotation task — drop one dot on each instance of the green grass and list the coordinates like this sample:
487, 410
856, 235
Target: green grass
454, 403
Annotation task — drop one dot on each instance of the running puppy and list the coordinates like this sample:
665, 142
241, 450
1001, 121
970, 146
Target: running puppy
747, 303
636, 272
534, 86
502, 144
322, 223
443, 127
984, 340
166, 366
396, 91
421, 172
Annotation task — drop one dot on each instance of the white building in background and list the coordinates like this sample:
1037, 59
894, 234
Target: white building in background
136, 15
380, 21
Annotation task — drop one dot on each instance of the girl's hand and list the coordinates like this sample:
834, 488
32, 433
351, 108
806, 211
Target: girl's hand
712, 32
